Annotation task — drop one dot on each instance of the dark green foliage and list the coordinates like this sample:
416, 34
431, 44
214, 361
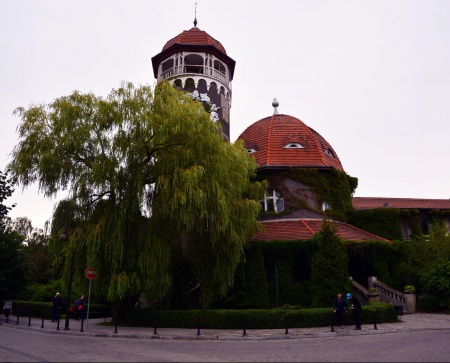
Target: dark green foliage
6, 190
14, 263
383, 222
329, 269
436, 282
430, 303
279, 260
256, 281
373, 259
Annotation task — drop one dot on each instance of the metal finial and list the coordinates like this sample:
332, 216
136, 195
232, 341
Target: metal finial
275, 104
195, 18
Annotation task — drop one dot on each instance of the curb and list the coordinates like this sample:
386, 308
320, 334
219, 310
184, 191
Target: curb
225, 336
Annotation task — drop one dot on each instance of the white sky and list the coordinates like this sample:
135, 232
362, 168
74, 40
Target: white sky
372, 77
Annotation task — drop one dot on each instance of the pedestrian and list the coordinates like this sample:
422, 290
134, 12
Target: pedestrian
56, 310
357, 310
7, 309
340, 309
79, 305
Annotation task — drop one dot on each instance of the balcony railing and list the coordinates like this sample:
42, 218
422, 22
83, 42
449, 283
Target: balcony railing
193, 69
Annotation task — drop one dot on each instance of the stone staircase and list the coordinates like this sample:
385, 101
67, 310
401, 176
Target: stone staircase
404, 302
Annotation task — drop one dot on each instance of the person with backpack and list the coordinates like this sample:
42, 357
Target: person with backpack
79, 306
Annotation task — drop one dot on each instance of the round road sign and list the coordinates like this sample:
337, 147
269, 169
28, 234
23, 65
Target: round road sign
90, 273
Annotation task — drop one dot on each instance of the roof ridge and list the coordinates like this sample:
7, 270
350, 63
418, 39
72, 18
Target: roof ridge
362, 230
401, 198
269, 134
307, 226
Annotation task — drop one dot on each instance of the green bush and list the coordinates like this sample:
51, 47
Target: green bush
254, 318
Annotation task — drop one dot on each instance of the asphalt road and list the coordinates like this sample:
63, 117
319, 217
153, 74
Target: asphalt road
18, 345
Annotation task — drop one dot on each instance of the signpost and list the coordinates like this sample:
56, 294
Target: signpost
91, 274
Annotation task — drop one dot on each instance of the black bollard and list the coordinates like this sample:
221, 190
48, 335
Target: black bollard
375, 321
243, 322
57, 324
17, 322
286, 323
82, 321
29, 317
198, 326
154, 325
331, 322
115, 331
42, 325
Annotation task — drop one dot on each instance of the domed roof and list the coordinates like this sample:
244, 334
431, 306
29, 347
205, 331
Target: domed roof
194, 36
282, 141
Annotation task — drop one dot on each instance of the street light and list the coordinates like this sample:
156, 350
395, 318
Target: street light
69, 290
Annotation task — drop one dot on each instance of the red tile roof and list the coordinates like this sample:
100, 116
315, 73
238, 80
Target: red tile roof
303, 229
269, 136
360, 203
195, 36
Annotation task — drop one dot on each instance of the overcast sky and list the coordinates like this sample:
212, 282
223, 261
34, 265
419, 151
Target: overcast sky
372, 77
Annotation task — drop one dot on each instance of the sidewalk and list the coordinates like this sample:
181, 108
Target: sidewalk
407, 323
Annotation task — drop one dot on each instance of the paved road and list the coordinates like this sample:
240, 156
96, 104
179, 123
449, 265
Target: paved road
420, 338
31, 346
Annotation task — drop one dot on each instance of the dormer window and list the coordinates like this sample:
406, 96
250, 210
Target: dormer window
251, 151
293, 145
329, 152
326, 206
273, 202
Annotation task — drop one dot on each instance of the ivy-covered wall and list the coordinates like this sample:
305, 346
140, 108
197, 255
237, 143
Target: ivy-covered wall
288, 263
314, 187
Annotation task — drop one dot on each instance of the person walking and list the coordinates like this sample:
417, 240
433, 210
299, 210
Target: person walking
79, 305
56, 310
7, 309
357, 310
340, 309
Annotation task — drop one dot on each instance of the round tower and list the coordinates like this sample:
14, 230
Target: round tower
196, 62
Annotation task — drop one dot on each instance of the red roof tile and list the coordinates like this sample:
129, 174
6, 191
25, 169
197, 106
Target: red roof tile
303, 229
361, 203
270, 135
194, 36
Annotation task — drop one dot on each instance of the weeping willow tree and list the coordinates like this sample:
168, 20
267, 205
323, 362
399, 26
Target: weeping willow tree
148, 173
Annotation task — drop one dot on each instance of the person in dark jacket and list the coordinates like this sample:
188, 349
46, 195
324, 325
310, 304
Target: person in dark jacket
357, 310
79, 306
56, 310
340, 309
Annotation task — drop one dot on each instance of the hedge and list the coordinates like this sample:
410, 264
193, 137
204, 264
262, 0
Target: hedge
254, 318
39, 309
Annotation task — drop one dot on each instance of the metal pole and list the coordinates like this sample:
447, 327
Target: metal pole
276, 284
89, 300
69, 292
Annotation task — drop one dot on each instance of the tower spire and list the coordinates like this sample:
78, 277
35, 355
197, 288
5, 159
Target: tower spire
195, 18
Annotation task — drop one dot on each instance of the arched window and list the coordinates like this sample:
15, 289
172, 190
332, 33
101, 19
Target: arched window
293, 145
193, 63
219, 66
273, 202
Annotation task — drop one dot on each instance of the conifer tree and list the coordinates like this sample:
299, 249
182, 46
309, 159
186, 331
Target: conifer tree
329, 269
